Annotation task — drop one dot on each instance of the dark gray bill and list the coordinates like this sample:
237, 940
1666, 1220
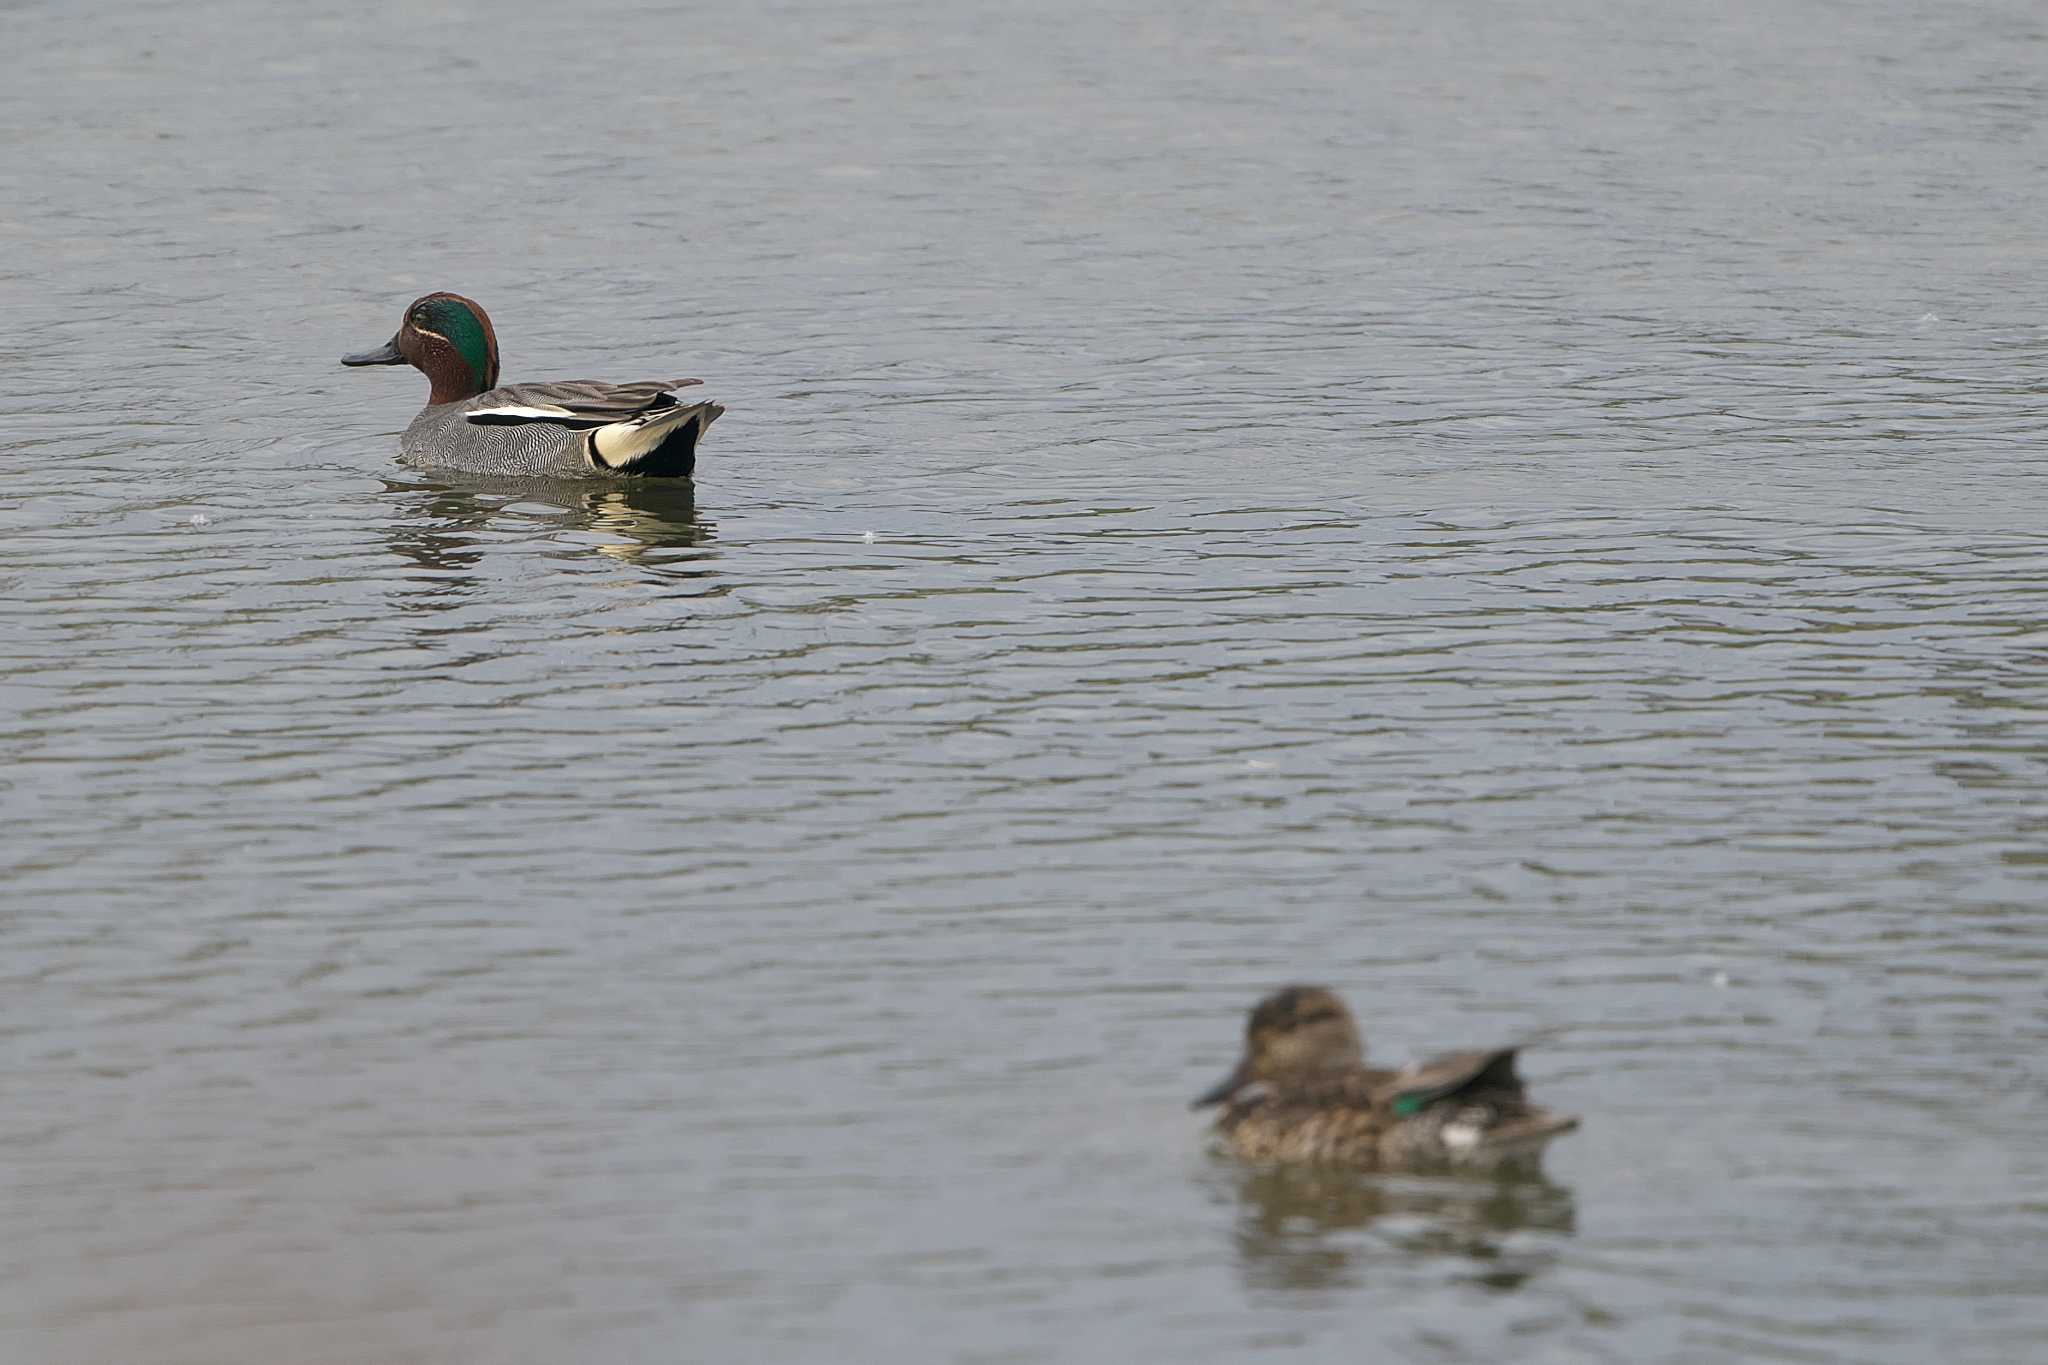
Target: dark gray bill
1231, 1084
387, 354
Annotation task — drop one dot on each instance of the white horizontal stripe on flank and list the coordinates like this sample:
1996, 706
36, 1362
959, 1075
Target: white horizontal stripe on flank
538, 412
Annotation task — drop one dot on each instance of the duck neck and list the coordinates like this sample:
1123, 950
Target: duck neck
452, 384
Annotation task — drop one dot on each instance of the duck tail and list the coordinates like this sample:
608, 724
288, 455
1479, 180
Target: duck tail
661, 442
1527, 1132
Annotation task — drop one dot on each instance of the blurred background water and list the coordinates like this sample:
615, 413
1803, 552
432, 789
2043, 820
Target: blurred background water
1532, 515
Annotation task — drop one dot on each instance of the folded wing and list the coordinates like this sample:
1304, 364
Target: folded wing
1489, 1073
576, 403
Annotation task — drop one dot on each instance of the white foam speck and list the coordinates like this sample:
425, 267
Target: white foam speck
198, 519
867, 537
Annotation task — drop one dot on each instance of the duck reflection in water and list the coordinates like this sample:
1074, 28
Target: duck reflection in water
1338, 1142
446, 528
1293, 1221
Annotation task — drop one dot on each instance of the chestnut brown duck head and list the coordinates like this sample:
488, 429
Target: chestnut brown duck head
449, 339
573, 428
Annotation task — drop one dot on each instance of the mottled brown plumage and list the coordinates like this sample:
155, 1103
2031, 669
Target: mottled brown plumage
1302, 1092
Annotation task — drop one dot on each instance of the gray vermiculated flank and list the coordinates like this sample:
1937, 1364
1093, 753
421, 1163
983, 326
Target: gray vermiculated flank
443, 437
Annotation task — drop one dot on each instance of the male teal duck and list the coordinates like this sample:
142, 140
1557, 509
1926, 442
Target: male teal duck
1302, 1092
577, 428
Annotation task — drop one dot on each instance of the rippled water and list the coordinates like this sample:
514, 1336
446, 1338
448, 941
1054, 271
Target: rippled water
1531, 515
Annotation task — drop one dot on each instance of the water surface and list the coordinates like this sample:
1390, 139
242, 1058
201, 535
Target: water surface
1533, 518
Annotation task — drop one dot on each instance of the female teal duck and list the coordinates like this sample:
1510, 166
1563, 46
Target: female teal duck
572, 429
1302, 1092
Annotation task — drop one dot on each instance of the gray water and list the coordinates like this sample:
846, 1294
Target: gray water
1530, 514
